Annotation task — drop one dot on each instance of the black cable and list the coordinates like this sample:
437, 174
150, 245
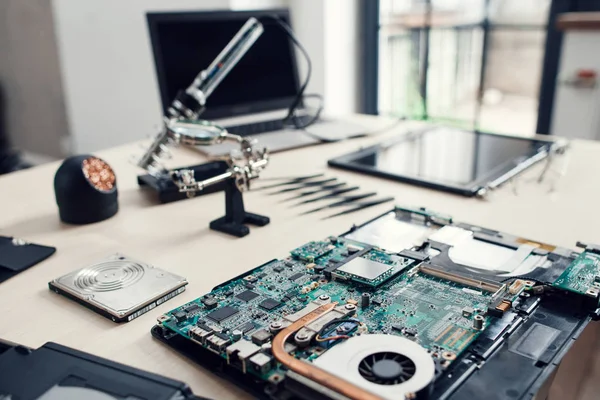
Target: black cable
292, 111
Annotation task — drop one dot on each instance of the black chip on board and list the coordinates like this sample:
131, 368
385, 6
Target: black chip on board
277, 269
192, 308
210, 302
319, 268
180, 316
296, 276
247, 295
270, 304
247, 327
410, 331
261, 337
203, 326
250, 286
353, 250
222, 313
260, 276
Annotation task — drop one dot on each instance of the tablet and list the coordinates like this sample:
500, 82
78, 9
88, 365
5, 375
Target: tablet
464, 162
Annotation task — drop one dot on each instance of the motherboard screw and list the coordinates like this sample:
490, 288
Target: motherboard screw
302, 336
275, 326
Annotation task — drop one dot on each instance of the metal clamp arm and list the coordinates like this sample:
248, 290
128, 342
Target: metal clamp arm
189, 103
242, 174
186, 182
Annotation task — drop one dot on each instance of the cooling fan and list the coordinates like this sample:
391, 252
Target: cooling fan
388, 366
119, 287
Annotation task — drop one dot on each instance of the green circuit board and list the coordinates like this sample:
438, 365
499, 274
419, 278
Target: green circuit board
582, 275
435, 313
312, 250
442, 311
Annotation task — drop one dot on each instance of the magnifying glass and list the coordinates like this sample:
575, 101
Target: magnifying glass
198, 132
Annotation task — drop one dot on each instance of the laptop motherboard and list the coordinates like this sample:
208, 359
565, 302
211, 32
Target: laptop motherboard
410, 305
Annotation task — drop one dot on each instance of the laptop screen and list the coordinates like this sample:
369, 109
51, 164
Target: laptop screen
265, 79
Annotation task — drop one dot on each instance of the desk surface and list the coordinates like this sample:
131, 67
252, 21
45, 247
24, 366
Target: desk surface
176, 237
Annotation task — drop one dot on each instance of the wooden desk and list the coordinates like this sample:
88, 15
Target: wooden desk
176, 237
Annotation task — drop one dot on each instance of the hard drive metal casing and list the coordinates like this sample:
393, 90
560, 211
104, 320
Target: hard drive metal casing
119, 288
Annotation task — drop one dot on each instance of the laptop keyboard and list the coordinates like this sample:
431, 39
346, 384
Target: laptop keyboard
262, 127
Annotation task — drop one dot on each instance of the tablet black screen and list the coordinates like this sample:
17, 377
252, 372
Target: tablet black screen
448, 156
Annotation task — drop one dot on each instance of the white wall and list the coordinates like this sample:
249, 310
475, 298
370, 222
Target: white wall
110, 86
329, 29
308, 20
575, 111
32, 110
342, 56
108, 72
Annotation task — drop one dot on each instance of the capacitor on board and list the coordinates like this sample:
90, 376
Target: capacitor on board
365, 300
478, 322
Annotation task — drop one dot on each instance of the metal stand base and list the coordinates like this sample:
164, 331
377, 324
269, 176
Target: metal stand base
235, 214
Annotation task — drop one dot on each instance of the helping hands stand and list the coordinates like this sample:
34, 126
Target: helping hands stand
182, 127
244, 167
236, 215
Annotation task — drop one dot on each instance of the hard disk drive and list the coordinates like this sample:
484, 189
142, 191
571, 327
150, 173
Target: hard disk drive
119, 288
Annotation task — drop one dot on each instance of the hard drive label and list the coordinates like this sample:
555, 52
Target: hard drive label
155, 303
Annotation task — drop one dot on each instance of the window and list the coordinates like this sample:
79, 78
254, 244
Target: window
475, 64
